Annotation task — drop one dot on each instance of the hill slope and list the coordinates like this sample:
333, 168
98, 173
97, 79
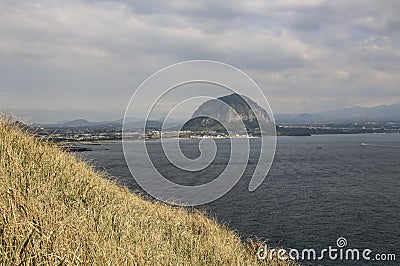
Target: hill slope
54, 209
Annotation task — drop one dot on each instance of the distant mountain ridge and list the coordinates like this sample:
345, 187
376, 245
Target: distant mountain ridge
347, 114
129, 123
84, 123
76, 123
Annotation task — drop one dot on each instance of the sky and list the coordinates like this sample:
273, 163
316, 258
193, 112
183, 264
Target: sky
62, 60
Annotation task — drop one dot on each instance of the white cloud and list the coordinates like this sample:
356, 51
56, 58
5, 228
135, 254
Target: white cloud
343, 75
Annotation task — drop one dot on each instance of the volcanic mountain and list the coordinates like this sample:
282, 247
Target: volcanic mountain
215, 113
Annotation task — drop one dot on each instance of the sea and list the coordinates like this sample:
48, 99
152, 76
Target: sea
320, 190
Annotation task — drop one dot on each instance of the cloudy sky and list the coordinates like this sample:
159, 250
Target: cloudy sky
72, 59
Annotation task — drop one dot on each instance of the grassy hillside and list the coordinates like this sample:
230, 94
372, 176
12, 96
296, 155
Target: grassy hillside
56, 210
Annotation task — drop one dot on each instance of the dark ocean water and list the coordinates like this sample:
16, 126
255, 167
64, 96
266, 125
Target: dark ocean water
319, 188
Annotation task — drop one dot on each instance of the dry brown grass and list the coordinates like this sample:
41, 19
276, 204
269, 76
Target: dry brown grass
56, 210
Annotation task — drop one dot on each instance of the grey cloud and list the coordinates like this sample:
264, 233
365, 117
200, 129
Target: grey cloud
102, 50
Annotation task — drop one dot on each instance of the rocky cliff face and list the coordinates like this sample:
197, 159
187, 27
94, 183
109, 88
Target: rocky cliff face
244, 107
